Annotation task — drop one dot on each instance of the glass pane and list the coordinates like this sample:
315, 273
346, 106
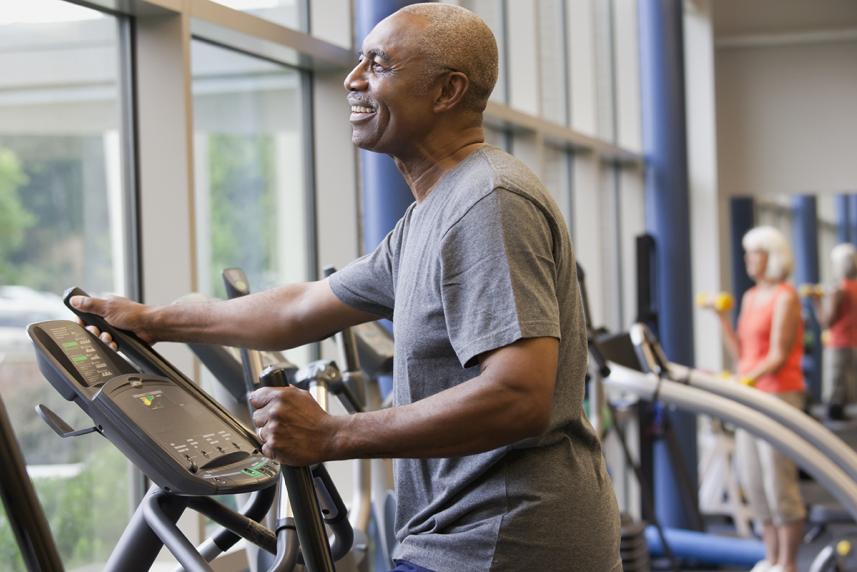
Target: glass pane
250, 152
62, 207
289, 13
498, 137
552, 53
493, 12
605, 71
556, 175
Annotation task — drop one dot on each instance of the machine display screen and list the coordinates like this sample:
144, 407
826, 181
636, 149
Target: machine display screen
86, 357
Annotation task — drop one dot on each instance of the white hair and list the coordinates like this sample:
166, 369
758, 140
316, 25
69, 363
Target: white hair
772, 242
455, 38
844, 259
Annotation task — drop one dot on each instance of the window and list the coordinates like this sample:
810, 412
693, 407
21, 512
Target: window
252, 204
62, 208
557, 175
291, 13
493, 12
553, 61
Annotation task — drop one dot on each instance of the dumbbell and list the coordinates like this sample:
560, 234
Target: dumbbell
810, 290
722, 302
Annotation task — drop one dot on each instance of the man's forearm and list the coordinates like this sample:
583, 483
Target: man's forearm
473, 417
269, 320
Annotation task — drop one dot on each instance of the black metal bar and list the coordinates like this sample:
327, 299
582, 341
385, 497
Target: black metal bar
310, 527
138, 547
162, 524
244, 527
287, 546
224, 367
255, 509
22, 505
337, 522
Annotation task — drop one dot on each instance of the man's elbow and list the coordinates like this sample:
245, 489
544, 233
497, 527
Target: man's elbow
534, 420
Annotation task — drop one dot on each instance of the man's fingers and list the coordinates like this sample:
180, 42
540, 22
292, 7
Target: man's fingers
84, 303
262, 396
260, 417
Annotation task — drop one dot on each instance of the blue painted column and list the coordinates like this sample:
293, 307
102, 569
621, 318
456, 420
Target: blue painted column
852, 218
807, 272
386, 196
667, 219
742, 212
843, 218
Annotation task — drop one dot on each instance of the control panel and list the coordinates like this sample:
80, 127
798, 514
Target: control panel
176, 437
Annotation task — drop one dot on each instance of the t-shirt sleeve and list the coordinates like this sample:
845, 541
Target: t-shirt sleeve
499, 276
368, 283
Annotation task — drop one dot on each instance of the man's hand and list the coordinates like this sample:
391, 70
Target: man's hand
121, 312
294, 430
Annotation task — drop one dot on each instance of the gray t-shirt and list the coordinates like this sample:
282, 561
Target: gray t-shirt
485, 260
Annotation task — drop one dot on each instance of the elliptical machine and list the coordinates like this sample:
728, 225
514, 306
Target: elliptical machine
185, 443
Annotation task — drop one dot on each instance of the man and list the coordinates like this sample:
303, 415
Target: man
497, 467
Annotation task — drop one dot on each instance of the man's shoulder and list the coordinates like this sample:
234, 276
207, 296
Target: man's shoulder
492, 171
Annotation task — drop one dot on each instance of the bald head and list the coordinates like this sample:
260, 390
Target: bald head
454, 38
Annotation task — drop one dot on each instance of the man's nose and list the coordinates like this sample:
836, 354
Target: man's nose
355, 80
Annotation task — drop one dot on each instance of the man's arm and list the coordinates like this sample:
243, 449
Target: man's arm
510, 400
276, 319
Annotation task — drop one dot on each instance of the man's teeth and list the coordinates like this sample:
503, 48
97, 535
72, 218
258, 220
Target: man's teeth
361, 109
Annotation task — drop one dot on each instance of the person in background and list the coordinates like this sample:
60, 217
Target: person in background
837, 313
768, 346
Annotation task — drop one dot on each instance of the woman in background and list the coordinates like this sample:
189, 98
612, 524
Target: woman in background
768, 347
838, 315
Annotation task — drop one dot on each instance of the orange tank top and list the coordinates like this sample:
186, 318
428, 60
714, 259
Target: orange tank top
754, 337
843, 332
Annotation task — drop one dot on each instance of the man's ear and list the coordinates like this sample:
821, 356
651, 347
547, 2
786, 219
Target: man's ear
454, 85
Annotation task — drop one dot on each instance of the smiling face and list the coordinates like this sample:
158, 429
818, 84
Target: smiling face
391, 105
756, 262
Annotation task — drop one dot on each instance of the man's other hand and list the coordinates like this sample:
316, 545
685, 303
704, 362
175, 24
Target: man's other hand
120, 312
294, 430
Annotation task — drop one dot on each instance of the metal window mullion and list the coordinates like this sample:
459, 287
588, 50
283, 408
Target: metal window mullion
128, 142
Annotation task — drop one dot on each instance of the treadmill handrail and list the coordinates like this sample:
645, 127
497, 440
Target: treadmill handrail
792, 445
793, 418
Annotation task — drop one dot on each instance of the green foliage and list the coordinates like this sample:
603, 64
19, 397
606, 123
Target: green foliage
14, 218
243, 205
63, 193
86, 513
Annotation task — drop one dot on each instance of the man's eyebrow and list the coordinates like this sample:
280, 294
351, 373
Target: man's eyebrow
379, 53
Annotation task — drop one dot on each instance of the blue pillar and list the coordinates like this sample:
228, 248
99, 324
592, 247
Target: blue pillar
807, 272
742, 212
852, 218
843, 218
667, 219
386, 196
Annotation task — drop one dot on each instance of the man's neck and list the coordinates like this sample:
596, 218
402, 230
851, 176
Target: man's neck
431, 161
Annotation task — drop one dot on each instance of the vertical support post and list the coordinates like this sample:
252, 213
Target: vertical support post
386, 196
843, 218
807, 271
667, 219
742, 212
852, 218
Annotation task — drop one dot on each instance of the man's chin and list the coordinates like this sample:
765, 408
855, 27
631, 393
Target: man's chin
362, 143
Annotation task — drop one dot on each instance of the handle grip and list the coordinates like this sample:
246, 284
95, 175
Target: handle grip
99, 322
